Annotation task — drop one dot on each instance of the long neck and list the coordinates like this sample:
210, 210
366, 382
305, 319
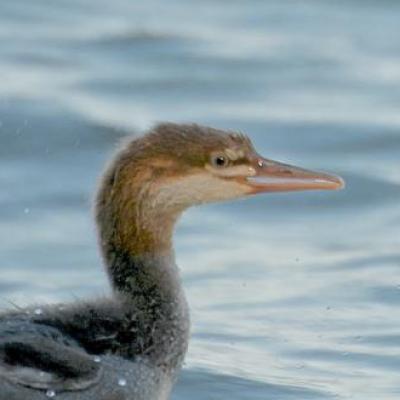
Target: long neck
133, 230
136, 241
142, 262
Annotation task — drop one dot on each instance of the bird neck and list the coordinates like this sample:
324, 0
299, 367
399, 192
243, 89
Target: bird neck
136, 240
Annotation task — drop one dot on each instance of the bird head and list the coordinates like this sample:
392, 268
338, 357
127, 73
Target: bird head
183, 165
153, 178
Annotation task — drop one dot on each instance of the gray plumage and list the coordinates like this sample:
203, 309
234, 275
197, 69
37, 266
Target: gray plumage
104, 349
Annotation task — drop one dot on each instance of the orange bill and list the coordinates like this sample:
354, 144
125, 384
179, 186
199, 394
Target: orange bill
273, 176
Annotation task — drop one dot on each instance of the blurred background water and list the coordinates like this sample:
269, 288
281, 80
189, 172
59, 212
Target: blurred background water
293, 296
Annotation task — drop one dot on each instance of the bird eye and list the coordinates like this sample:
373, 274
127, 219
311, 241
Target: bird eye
219, 160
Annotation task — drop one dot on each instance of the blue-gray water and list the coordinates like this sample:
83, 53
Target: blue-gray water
293, 296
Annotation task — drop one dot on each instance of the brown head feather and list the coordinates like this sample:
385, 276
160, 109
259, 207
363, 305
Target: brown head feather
188, 144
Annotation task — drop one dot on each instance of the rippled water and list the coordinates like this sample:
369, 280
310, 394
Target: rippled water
293, 296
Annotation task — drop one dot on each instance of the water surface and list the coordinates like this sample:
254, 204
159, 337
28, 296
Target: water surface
293, 296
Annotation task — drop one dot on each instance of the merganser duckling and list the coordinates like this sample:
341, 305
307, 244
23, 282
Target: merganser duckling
132, 344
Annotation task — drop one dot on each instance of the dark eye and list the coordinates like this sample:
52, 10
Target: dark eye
219, 160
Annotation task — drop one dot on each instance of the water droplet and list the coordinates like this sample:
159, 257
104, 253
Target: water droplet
51, 393
97, 359
38, 311
27, 210
122, 382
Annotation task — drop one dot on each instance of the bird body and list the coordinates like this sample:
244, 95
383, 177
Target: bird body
91, 350
131, 346
88, 351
